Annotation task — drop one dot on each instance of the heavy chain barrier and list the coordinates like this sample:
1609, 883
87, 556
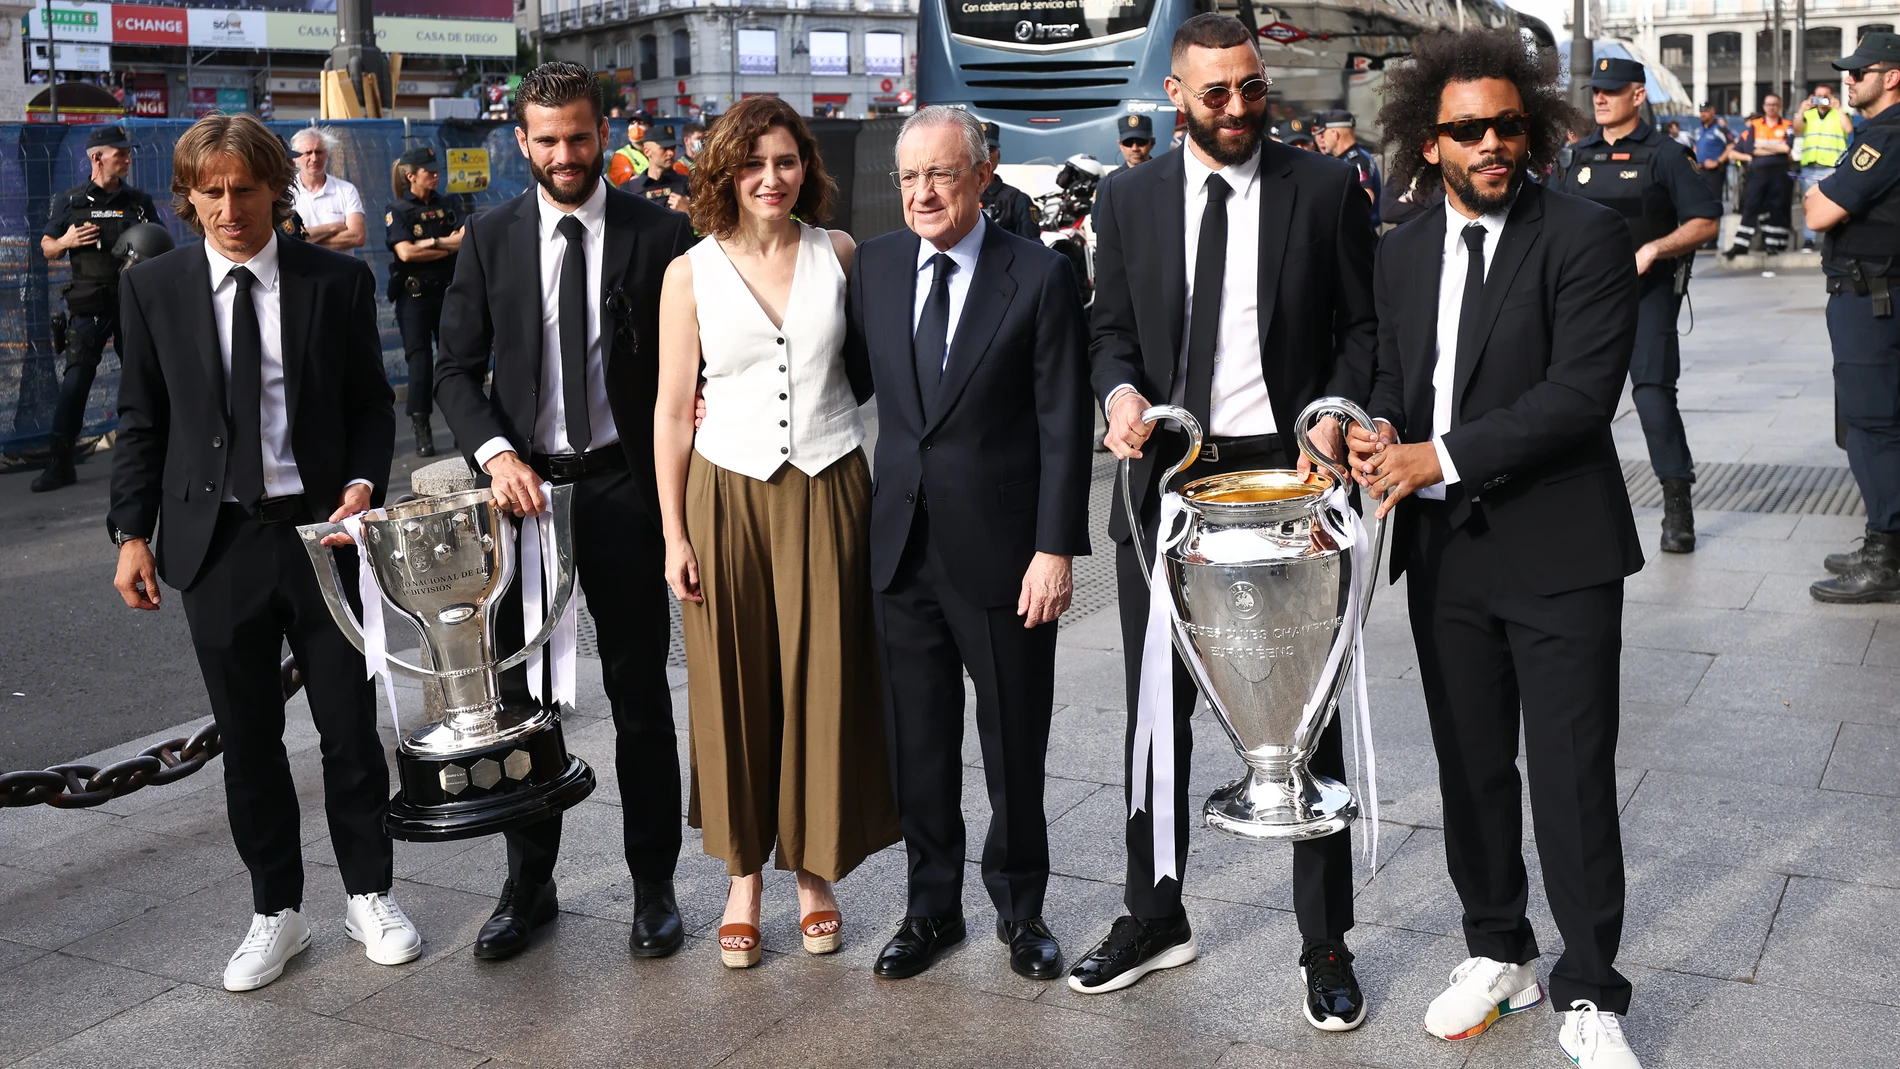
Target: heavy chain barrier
77, 786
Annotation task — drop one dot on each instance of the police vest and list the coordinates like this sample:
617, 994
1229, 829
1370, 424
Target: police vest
1823, 144
411, 220
1622, 177
1872, 238
94, 287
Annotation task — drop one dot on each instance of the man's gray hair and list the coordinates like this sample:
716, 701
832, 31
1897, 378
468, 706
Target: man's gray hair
323, 134
939, 115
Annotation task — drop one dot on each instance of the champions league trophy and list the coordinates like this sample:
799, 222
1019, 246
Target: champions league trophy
1260, 569
444, 562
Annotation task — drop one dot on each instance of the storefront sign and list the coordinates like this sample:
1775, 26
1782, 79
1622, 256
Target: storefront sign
226, 29
138, 25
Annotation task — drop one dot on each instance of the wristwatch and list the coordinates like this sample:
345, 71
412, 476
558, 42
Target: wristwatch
120, 538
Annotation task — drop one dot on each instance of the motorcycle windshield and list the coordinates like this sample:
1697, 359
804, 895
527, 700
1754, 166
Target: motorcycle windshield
1047, 22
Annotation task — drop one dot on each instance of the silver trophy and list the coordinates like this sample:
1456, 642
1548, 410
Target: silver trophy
1261, 589
443, 562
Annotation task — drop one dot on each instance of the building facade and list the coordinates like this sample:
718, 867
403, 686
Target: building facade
689, 58
1724, 50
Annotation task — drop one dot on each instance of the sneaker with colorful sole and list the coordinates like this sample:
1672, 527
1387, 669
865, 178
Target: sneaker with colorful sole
1482, 990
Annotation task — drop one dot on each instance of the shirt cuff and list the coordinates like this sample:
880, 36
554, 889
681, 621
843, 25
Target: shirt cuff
1115, 395
1399, 437
360, 482
490, 450
1445, 466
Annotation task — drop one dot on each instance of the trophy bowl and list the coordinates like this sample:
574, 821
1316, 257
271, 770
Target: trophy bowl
1261, 588
443, 562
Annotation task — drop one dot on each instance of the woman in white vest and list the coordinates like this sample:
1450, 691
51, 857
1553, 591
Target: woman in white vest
766, 512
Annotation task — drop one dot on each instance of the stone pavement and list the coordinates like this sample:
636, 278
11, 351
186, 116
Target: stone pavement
1760, 765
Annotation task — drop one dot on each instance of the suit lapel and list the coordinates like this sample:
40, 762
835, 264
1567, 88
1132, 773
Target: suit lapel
1166, 213
895, 289
616, 254
1277, 194
204, 322
990, 291
1421, 332
524, 241
1521, 229
296, 306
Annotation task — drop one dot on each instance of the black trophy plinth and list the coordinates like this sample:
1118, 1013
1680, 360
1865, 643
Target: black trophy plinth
480, 792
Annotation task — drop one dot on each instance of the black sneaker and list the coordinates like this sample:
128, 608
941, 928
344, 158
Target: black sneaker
1134, 948
1334, 1002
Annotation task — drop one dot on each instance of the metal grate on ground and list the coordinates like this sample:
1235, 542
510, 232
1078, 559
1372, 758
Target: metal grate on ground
1787, 489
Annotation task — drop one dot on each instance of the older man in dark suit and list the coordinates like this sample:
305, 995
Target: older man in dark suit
252, 400
974, 339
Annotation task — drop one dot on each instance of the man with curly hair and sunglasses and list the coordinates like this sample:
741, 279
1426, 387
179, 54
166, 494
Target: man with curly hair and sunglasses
1506, 320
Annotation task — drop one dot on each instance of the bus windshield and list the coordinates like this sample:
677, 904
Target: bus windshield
1046, 22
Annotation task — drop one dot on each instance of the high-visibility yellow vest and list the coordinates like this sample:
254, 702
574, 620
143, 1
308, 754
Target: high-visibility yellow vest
625, 164
1822, 141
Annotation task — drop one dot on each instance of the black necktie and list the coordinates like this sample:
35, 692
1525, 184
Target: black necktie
1468, 325
1210, 269
247, 388
573, 311
932, 339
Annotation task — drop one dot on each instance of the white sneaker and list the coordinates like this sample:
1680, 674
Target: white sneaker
1594, 1039
388, 936
274, 939
1481, 991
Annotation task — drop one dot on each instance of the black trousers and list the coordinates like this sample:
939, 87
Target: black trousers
1767, 205
1322, 868
620, 556
257, 589
1655, 366
1487, 648
929, 634
86, 338
417, 318
1867, 393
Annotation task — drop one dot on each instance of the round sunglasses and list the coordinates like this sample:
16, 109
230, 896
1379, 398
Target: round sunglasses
1252, 91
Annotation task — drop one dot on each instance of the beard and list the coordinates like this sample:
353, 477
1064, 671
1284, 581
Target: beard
1221, 150
1458, 180
575, 191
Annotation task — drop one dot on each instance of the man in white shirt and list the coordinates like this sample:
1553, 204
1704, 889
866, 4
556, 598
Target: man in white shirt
330, 207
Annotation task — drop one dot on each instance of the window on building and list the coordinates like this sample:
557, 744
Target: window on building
649, 58
830, 52
884, 54
682, 53
758, 51
601, 56
1617, 7
1676, 7
1725, 54
1678, 54
623, 54
1878, 27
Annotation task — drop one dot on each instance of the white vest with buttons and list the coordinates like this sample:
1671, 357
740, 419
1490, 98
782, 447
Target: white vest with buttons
774, 395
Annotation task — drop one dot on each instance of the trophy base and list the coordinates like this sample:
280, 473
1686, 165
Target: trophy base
482, 791
1288, 808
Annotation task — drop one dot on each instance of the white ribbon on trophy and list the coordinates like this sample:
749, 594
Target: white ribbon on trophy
375, 638
538, 576
1351, 639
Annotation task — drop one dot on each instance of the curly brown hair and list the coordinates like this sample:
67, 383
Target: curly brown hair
715, 205
244, 139
1414, 89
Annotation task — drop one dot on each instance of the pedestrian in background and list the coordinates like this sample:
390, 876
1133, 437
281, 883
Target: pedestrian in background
1137, 141
1004, 204
424, 231
1338, 139
1711, 153
1824, 131
330, 207
1768, 199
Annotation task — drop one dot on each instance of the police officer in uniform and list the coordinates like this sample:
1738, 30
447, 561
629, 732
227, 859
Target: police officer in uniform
86, 222
1340, 140
1137, 139
1007, 206
424, 230
1645, 176
1858, 209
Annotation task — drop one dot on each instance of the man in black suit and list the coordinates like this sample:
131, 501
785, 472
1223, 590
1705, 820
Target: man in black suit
252, 400
975, 341
561, 285
1268, 308
1506, 321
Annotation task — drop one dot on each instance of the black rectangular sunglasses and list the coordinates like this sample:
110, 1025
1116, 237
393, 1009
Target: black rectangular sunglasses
1510, 124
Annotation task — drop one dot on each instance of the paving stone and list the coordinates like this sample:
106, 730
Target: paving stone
1884, 650
1255, 1056
1823, 639
1762, 747
1099, 630
57, 996
50, 912
1672, 580
1853, 693
1732, 1024
1767, 828
1788, 557
1662, 677
1828, 939
13, 955
30, 828
1670, 1024
136, 860
1831, 534
1094, 678
1085, 744
1866, 760
193, 1026
1788, 594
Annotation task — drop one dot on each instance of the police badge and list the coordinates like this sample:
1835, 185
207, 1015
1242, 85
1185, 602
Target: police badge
418, 229
1865, 157
1583, 177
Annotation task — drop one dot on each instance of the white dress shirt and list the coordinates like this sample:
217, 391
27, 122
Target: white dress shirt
550, 418
334, 203
963, 254
1451, 301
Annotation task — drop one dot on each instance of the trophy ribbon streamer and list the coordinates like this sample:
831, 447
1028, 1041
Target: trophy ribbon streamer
1349, 535
1154, 706
375, 637
537, 576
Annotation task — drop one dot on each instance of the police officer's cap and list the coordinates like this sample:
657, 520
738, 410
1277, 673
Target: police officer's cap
644, 118
1873, 48
1336, 119
420, 156
1613, 73
288, 151
1298, 131
107, 137
992, 135
663, 138
1136, 128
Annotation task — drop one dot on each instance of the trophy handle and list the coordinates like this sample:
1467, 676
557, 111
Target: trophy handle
330, 581
1193, 428
1340, 469
560, 509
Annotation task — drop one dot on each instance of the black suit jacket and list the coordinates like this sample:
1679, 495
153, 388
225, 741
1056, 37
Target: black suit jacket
1317, 332
1537, 381
169, 462
1003, 458
494, 306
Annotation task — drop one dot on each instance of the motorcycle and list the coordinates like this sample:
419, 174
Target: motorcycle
1063, 211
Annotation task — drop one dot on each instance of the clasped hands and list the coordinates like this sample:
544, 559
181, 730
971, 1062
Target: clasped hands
1389, 470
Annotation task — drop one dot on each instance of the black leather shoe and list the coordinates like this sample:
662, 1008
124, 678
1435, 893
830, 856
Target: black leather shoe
657, 930
523, 907
1678, 522
1875, 578
916, 945
1134, 948
1033, 953
1334, 1002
